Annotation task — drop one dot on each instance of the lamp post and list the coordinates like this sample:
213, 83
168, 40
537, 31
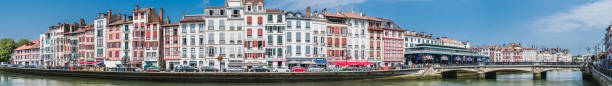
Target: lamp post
219, 58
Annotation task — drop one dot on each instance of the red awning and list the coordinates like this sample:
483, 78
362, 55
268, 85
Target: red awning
135, 62
351, 63
86, 62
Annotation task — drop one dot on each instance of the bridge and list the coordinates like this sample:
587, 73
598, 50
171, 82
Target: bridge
488, 70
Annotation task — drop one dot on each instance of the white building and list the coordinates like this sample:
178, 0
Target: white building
191, 31
275, 44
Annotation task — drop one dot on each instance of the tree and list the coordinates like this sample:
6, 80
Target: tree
7, 45
21, 42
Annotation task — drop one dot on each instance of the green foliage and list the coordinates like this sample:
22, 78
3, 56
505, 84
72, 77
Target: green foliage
7, 45
21, 42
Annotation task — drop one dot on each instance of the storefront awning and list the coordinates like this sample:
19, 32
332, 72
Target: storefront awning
351, 63
86, 62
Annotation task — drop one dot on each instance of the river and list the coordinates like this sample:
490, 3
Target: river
554, 78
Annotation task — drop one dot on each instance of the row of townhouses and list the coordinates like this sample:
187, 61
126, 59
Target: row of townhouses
243, 33
515, 52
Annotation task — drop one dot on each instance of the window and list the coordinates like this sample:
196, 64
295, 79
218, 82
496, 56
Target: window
193, 53
249, 8
270, 18
298, 24
210, 12
259, 20
298, 50
221, 24
211, 38
307, 50
201, 39
270, 39
184, 53
184, 40
184, 28
298, 36
249, 32
307, 25
288, 36
193, 40
259, 32
222, 12
201, 53
249, 20
211, 51
211, 24
192, 26
288, 50
288, 24
279, 18
201, 27
221, 38
307, 37
279, 39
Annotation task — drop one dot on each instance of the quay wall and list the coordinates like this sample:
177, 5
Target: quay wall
602, 79
239, 77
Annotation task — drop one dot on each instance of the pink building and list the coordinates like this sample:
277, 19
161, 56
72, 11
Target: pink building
393, 49
28, 54
86, 45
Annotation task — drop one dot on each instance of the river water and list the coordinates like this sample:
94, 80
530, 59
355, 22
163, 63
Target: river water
554, 78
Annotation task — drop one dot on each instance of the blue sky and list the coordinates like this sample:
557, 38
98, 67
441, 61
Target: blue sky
572, 24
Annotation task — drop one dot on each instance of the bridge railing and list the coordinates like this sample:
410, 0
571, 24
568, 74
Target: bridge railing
515, 64
602, 69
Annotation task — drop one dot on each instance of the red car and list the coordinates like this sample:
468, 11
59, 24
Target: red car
152, 69
297, 69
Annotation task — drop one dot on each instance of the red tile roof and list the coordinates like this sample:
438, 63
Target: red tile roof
353, 15
332, 15
273, 11
373, 19
192, 19
168, 25
32, 45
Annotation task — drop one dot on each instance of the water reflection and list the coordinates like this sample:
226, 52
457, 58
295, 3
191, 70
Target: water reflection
554, 78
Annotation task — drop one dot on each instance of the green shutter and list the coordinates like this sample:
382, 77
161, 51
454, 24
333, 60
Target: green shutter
270, 39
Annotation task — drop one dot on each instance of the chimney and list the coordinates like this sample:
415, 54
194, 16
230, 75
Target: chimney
308, 11
82, 21
109, 17
137, 7
161, 15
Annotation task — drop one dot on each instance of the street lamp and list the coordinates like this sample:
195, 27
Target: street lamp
219, 58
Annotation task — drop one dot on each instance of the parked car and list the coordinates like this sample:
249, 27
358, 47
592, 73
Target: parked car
185, 68
31, 66
297, 69
152, 69
333, 69
350, 69
313, 68
259, 69
234, 69
282, 69
209, 69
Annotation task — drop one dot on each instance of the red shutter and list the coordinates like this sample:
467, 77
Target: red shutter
249, 18
254, 44
260, 20
249, 32
263, 43
246, 44
259, 32
154, 34
141, 53
148, 34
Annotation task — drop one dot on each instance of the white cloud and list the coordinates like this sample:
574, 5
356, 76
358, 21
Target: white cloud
596, 15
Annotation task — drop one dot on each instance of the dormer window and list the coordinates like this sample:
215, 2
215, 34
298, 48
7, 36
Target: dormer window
249, 8
222, 12
210, 12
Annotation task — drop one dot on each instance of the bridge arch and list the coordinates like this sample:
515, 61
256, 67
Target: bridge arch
452, 73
